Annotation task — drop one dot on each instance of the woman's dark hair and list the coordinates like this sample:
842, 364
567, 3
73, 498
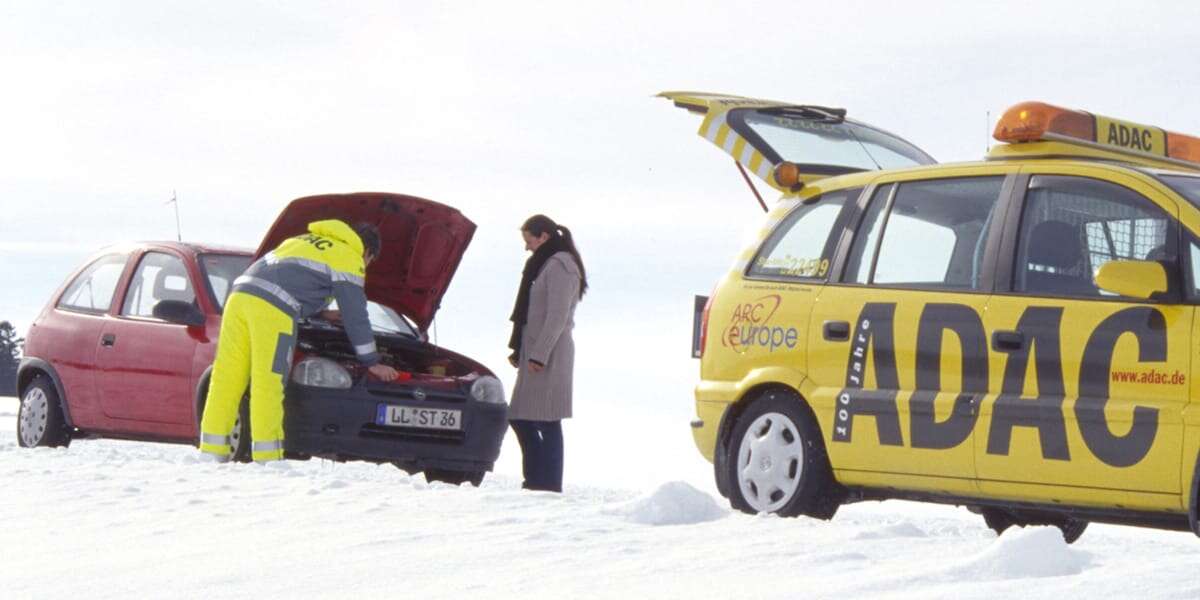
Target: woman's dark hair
539, 224
369, 234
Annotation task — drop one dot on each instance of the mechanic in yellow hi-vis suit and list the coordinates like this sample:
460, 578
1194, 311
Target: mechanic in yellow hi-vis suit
258, 331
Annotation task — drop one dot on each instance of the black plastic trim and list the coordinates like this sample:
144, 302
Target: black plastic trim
846, 242
29, 363
1194, 500
1006, 257
1136, 518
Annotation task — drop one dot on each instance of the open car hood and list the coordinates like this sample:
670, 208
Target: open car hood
423, 242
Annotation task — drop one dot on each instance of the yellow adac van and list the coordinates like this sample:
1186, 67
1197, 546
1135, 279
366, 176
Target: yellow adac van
1014, 335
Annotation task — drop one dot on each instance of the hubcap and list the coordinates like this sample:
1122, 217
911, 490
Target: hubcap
35, 416
235, 437
770, 460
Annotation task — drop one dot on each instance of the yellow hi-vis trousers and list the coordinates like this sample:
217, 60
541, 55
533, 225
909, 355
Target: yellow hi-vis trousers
255, 347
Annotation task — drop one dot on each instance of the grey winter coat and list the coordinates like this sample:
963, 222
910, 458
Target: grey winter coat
546, 396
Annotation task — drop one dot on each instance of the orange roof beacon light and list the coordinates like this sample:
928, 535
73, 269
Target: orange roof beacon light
787, 175
1038, 121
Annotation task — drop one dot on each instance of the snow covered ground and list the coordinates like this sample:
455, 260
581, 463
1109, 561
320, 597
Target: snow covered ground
108, 519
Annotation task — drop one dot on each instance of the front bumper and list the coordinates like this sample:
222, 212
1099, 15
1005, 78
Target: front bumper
340, 425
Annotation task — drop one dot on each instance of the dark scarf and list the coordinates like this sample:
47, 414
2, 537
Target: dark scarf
533, 266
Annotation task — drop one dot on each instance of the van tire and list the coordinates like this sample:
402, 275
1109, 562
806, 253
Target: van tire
1000, 520
776, 460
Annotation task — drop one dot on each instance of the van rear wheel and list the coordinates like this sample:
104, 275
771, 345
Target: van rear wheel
776, 460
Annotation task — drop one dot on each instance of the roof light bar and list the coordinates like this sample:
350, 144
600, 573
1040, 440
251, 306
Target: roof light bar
1038, 121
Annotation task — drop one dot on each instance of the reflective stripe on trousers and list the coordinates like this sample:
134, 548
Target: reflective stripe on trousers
215, 444
267, 451
255, 350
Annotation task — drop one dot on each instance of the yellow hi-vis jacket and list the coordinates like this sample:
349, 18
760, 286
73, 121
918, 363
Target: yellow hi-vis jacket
305, 273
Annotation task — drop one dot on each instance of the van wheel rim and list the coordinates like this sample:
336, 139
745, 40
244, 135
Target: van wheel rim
770, 462
35, 416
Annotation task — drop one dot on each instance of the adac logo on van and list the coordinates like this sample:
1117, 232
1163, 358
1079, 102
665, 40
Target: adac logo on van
1122, 446
750, 325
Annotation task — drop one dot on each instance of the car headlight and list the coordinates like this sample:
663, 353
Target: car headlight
321, 372
488, 389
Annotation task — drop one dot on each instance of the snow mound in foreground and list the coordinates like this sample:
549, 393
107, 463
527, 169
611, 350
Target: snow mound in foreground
1024, 552
898, 530
673, 503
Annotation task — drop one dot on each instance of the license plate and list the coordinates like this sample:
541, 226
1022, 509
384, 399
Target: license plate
391, 415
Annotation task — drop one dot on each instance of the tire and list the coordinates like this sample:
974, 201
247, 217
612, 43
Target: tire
1072, 529
454, 477
40, 418
1000, 520
997, 520
776, 460
239, 438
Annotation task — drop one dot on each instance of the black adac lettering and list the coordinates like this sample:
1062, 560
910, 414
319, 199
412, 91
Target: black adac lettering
1135, 138
936, 319
1130, 137
319, 242
1041, 326
873, 334
1150, 329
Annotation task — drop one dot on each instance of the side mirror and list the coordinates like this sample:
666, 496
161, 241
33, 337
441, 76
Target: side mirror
1132, 278
176, 311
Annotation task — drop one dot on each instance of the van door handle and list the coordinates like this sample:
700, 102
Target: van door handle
970, 401
836, 331
108, 340
1007, 341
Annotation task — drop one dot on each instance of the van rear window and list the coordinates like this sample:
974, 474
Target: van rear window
801, 247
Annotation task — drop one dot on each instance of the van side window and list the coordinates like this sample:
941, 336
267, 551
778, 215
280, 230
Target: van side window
92, 290
802, 246
1194, 275
932, 236
1070, 226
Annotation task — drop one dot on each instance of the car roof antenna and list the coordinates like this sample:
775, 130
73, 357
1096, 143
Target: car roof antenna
175, 200
742, 170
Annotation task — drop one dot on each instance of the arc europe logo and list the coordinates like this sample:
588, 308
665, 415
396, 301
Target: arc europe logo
751, 325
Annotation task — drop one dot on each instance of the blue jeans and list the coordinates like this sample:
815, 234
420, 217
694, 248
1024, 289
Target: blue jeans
541, 453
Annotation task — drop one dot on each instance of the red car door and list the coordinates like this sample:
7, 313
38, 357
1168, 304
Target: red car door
145, 364
69, 335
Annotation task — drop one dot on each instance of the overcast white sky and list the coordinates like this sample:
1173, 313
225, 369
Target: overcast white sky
504, 109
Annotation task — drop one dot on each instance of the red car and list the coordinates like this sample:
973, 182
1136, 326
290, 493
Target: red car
124, 349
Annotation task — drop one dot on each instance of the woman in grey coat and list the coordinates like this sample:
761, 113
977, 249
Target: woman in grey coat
552, 283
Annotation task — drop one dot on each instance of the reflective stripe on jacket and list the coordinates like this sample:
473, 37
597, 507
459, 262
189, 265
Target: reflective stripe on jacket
307, 272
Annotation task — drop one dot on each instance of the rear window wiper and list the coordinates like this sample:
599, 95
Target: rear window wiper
808, 112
